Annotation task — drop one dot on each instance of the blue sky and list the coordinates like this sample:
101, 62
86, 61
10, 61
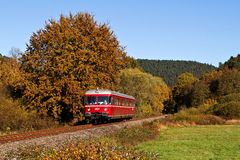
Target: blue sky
207, 31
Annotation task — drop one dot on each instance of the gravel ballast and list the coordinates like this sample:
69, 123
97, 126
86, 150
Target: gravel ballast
56, 141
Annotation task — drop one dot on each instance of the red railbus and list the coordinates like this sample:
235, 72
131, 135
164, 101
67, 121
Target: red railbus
105, 105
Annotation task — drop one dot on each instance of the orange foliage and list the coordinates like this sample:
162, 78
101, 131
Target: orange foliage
65, 59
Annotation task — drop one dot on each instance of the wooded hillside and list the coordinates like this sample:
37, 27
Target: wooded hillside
169, 70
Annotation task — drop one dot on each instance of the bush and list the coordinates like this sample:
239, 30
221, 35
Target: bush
31, 152
229, 110
14, 118
103, 148
229, 97
144, 110
228, 106
137, 134
195, 116
91, 149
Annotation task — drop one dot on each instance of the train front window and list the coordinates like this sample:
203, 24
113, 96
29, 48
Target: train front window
103, 100
90, 100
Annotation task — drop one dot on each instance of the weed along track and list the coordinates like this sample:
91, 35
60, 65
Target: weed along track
41, 133
56, 137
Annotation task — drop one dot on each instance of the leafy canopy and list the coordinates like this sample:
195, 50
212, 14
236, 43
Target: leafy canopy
66, 58
182, 89
149, 91
232, 63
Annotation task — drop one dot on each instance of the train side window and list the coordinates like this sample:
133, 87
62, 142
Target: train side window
120, 102
134, 103
125, 102
115, 101
110, 100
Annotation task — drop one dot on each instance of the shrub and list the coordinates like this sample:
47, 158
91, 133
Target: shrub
93, 149
144, 110
229, 97
102, 148
229, 110
31, 152
137, 134
228, 106
13, 117
195, 116
203, 109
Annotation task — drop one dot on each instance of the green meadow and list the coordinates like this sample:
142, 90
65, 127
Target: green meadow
196, 142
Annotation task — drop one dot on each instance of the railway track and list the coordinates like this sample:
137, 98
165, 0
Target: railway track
57, 137
52, 131
41, 133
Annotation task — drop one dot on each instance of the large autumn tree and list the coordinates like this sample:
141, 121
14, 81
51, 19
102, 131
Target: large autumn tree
66, 58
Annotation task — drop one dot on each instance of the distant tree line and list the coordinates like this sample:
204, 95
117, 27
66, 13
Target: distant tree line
217, 90
169, 70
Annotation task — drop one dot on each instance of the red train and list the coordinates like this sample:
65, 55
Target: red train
105, 105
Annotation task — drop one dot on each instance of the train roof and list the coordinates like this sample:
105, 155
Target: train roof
102, 91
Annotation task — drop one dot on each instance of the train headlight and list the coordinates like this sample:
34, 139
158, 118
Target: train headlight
88, 109
105, 109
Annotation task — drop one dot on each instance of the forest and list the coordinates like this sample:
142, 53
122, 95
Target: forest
169, 70
44, 86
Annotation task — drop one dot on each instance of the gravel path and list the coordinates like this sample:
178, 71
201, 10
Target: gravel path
56, 141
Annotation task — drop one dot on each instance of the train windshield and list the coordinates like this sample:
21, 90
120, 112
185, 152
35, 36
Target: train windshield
97, 100
103, 100
90, 100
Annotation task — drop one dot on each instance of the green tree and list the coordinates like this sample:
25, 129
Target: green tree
182, 89
229, 82
200, 93
205, 88
149, 91
232, 63
66, 58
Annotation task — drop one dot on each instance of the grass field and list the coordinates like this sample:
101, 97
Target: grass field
197, 142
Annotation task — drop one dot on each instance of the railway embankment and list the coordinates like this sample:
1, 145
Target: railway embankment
58, 140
